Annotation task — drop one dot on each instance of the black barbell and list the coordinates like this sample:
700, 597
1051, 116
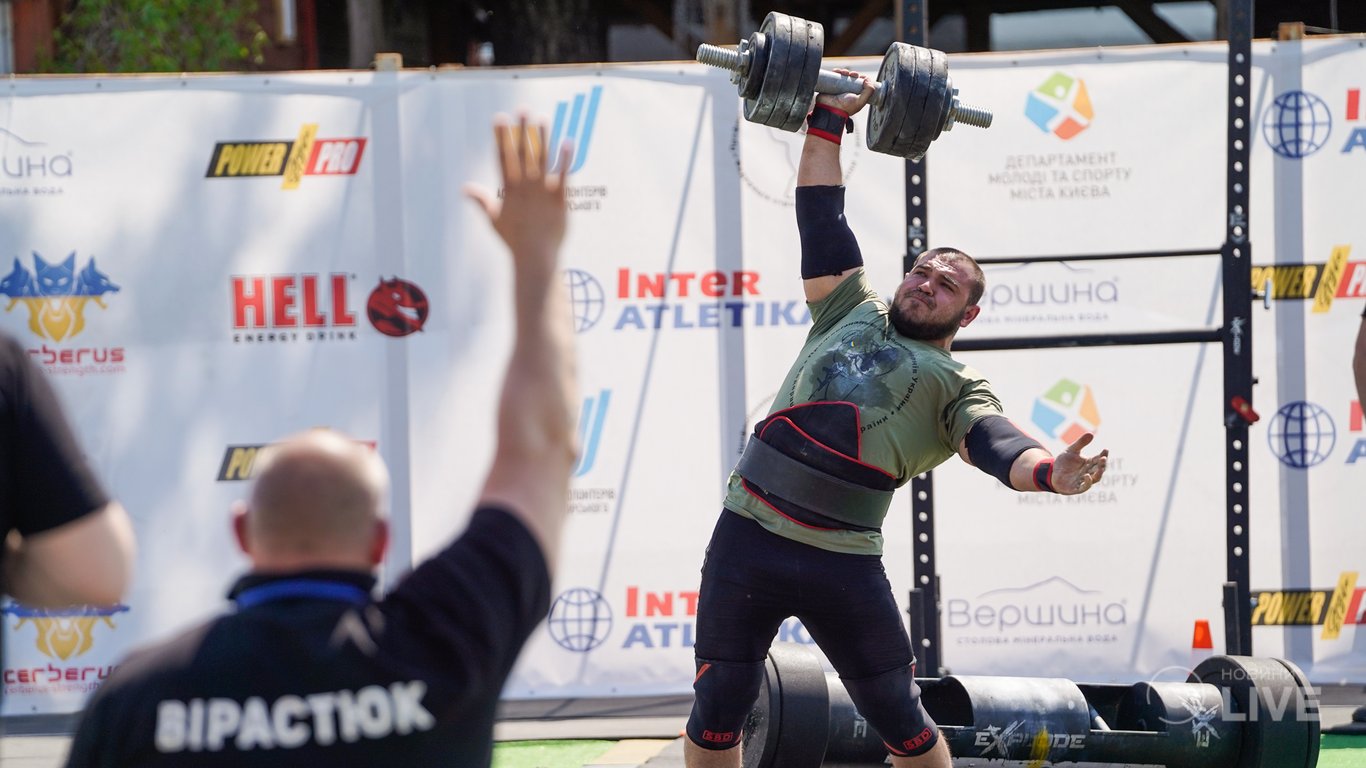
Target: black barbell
1232, 712
778, 72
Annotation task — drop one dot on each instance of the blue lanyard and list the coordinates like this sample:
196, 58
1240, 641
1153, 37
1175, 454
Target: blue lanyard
316, 588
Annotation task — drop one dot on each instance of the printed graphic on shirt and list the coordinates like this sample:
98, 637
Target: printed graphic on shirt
854, 367
219, 724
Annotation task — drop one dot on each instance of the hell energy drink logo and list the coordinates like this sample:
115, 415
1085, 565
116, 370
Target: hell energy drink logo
292, 307
307, 155
397, 307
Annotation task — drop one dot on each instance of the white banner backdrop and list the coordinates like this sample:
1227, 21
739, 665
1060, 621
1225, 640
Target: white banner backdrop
227, 259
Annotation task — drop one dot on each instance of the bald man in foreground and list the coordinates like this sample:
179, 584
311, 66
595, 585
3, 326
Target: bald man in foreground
312, 669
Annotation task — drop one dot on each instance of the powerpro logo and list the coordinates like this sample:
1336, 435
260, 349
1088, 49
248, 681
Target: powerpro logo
1330, 608
306, 155
239, 461
1337, 278
1060, 106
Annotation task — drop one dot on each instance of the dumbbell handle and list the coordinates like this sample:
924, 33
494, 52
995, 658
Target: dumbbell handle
829, 81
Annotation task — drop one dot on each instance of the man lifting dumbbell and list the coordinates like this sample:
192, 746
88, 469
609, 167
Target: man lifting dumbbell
777, 68
873, 400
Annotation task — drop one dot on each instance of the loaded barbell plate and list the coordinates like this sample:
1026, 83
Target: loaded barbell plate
1281, 725
758, 59
934, 112
790, 722
777, 33
916, 90
787, 54
885, 119
808, 38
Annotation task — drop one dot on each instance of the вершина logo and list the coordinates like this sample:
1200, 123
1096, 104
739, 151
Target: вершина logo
56, 294
574, 121
1066, 411
307, 155
63, 632
1061, 106
397, 307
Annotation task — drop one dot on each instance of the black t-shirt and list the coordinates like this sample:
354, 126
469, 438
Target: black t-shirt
44, 479
311, 670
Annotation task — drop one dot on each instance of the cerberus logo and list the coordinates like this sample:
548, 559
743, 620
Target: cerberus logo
64, 632
56, 294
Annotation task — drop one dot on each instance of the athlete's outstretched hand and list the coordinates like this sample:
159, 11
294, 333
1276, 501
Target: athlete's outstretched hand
1074, 473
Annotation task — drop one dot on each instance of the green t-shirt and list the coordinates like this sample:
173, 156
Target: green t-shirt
916, 403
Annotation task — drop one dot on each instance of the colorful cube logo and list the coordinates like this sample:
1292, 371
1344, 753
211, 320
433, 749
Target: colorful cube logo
1061, 106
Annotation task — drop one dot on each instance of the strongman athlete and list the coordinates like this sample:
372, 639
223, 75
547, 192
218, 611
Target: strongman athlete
873, 399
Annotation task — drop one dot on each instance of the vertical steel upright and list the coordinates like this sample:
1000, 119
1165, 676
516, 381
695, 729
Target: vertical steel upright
1237, 341
924, 601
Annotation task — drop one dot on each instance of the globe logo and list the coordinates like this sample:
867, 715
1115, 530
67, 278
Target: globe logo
585, 296
1297, 124
1066, 411
580, 619
1061, 106
1302, 434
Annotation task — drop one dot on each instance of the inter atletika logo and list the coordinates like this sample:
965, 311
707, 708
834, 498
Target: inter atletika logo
1066, 411
1061, 106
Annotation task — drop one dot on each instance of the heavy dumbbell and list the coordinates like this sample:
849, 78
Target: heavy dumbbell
1232, 712
778, 70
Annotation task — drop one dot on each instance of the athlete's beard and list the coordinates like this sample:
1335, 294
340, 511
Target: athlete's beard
922, 330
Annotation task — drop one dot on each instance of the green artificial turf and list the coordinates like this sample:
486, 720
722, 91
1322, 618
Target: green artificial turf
1342, 751
548, 754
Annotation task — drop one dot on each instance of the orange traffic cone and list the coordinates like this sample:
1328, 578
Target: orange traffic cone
1202, 644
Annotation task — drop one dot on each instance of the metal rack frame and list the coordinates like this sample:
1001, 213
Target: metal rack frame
1235, 335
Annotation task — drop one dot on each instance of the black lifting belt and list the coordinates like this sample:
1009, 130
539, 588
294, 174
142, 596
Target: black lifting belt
825, 437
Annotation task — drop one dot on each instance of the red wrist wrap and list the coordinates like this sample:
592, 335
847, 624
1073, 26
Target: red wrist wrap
829, 123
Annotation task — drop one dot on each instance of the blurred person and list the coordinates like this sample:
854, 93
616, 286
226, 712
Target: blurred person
65, 541
311, 668
1359, 361
873, 399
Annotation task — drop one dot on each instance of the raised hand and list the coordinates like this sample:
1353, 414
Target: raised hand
1074, 473
530, 215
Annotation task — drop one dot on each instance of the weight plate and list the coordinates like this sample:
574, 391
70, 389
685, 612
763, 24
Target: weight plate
886, 117
1279, 709
753, 79
785, 59
808, 39
790, 721
938, 99
916, 92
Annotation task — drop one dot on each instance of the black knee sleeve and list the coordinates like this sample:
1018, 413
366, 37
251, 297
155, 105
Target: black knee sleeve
724, 693
890, 702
